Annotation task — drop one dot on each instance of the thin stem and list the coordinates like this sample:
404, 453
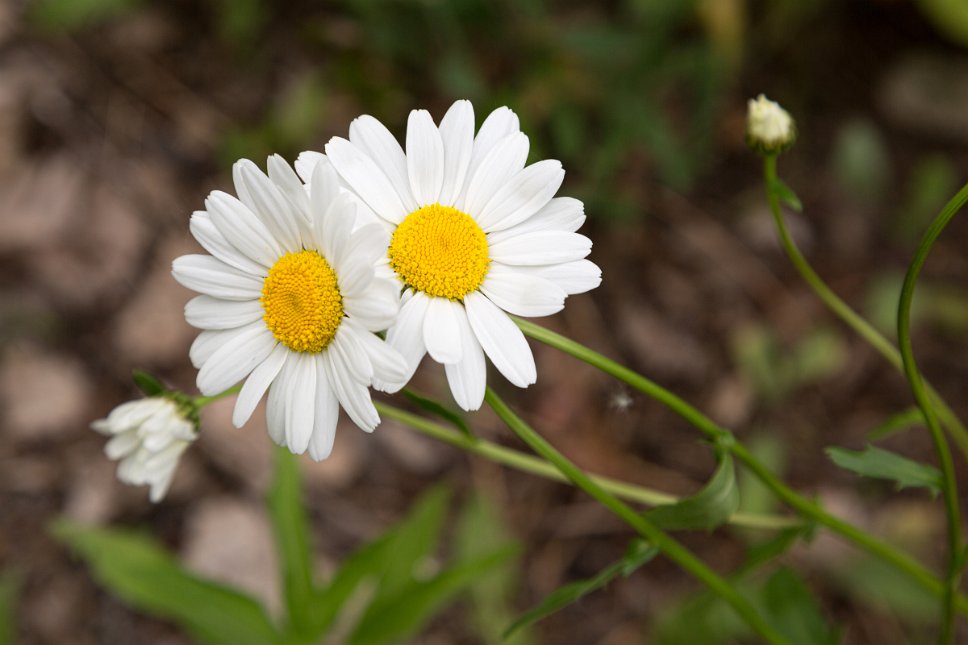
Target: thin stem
803, 506
534, 466
659, 538
877, 340
201, 401
950, 487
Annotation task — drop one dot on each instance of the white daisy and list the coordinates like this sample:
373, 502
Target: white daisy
148, 436
769, 128
474, 234
290, 298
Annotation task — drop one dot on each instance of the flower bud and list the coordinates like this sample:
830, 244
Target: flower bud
769, 128
148, 436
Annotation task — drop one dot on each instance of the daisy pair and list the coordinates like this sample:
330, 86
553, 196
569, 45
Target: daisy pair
435, 243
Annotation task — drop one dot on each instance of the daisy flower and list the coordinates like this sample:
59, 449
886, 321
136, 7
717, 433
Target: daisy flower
474, 235
148, 436
290, 300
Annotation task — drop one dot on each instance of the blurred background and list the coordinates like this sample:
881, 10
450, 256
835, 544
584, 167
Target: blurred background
117, 117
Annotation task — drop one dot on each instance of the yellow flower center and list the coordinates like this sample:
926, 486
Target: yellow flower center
302, 303
441, 251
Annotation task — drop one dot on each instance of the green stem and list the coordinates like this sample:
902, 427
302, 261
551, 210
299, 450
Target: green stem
877, 340
534, 466
803, 506
950, 487
656, 536
202, 401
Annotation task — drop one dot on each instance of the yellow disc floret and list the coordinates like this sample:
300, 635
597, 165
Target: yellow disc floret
302, 302
441, 251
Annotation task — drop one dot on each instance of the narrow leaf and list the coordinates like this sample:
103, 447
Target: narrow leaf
786, 195
397, 618
291, 532
638, 554
143, 574
447, 414
710, 507
147, 383
883, 464
9, 585
910, 418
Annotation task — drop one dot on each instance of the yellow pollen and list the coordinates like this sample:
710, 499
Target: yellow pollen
302, 303
441, 251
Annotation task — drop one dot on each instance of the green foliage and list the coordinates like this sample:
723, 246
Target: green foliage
712, 506
73, 14
883, 464
147, 383
861, 161
931, 182
910, 418
141, 573
879, 585
786, 195
949, 16
480, 530
9, 586
795, 612
448, 414
638, 553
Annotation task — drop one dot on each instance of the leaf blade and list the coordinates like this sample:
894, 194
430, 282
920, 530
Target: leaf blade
883, 464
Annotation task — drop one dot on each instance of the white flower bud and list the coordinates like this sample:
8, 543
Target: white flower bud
148, 436
769, 128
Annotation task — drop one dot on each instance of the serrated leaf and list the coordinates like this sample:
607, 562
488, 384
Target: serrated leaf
141, 573
638, 554
786, 195
794, 610
883, 464
710, 507
447, 414
147, 383
396, 618
291, 532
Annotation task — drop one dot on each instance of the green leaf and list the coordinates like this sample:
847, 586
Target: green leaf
9, 585
794, 611
910, 418
707, 509
883, 464
291, 532
448, 414
73, 14
143, 574
638, 554
786, 195
396, 618
147, 383
878, 584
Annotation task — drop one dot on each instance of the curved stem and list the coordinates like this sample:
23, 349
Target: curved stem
802, 505
656, 536
877, 340
950, 484
201, 401
534, 466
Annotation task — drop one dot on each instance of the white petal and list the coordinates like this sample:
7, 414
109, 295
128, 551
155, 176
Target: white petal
352, 354
425, 157
233, 361
505, 160
504, 343
406, 334
212, 277
499, 124
337, 226
542, 247
306, 164
389, 368
242, 228
468, 377
301, 403
288, 183
457, 135
276, 404
571, 277
441, 332
207, 342
268, 203
368, 243
353, 396
257, 384
212, 240
323, 191
206, 312
122, 445
560, 214
520, 293
522, 196
354, 276
366, 179
374, 139
326, 413
376, 309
